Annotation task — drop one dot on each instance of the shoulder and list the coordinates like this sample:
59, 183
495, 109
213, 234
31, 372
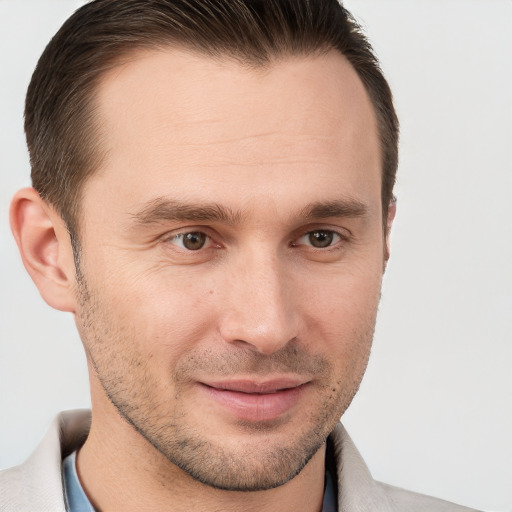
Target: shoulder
37, 483
12, 494
358, 491
407, 501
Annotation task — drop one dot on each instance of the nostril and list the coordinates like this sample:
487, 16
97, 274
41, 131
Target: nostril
242, 344
262, 320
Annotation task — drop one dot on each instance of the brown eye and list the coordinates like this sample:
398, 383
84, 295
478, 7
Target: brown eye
192, 241
321, 238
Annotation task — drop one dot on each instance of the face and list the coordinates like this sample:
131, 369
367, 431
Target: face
231, 258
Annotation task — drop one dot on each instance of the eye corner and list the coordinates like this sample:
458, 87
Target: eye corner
320, 239
192, 240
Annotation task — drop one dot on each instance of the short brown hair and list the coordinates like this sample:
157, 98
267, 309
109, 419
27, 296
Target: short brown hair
62, 138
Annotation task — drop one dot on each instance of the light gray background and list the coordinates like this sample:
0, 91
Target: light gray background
434, 413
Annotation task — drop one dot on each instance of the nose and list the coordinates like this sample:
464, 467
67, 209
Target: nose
260, 311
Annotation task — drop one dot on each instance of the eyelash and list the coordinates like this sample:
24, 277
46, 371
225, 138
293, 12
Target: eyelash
181, 236
335, 239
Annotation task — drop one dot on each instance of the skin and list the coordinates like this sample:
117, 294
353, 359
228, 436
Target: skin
289, 156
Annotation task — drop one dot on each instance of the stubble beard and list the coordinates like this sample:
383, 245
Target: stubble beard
263, 464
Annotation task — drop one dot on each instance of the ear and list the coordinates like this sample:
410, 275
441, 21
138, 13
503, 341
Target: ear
389, 224
45, 248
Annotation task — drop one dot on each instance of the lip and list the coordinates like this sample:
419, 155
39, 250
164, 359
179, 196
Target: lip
256, 401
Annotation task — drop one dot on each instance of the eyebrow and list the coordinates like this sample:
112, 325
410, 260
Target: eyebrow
163, 209
339, 208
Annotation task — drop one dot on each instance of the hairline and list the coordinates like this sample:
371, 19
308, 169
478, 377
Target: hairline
127, 55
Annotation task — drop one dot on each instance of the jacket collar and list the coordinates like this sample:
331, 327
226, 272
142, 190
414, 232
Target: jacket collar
38, 482
357, 490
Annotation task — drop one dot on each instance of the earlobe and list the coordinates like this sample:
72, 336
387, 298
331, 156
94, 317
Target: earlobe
389, 224
45, 248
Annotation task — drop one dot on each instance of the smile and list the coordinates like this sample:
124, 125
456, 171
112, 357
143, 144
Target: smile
254, 401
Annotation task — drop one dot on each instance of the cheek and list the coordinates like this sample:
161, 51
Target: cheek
345, 297
163, 316
340, 316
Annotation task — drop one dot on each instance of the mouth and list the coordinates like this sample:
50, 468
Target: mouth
256, 401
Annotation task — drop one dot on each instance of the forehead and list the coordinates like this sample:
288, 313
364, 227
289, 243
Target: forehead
174, 120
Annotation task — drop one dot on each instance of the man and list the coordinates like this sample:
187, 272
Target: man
212, 201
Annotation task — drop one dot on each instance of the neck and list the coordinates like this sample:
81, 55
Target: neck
120, 470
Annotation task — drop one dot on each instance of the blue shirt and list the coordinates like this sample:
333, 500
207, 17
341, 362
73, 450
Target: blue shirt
77, 501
